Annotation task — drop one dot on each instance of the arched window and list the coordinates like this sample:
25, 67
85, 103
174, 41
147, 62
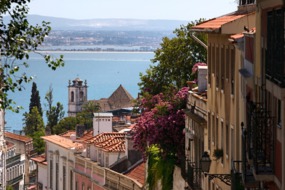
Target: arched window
81, 96
72, 96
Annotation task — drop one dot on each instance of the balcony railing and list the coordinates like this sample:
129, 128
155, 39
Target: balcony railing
191, 174
13, 160
15, 180
260, 138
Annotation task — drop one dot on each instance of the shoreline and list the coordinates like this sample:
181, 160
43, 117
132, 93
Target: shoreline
95, 51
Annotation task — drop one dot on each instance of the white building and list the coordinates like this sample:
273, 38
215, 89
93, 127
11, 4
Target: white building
60, 161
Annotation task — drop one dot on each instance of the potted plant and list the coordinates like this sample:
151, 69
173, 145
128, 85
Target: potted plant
218, 153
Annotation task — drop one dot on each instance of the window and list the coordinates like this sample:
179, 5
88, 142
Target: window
56, 176
209, 64
227, 139
209, 130
81, 96
71, 180
279, 122
275, 67
64, 177
232, 71
217, 74
222, 67
217, 132
51, 173
227, 65
83, 186
213, 129
72, 96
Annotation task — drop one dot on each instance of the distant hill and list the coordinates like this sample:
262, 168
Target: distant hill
108, 24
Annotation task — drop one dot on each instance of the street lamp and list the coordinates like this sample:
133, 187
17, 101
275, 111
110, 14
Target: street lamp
205, 163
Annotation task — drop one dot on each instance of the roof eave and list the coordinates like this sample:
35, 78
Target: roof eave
206, 30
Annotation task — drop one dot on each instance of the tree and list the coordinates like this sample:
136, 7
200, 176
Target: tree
85, 117
17, 39
34, 128
54, 113
161, 124
35, 100
67, 123
173, 62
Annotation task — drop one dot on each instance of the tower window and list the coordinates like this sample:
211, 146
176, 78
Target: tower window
72, 96
81, 96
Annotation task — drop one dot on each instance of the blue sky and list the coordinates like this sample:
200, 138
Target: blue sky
137, 9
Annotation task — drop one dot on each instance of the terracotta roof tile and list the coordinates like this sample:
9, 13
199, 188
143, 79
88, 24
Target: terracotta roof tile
138, 173
109, 142
236, 36
68, 133
18, 137
63, 142
40, 158
217, 23
104, 137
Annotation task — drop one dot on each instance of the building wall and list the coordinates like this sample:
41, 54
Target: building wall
101, 124
223, 104
58, 158
42, 176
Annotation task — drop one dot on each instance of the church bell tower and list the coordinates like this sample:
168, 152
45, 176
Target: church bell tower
77, 96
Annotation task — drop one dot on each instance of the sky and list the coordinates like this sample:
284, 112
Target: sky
134, 9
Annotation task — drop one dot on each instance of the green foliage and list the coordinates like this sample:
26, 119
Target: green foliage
160, 168
35, 100
33, 122
85, 117
218, 153
54, 113
17, 39
67, 123
38, 142
9, 187
34, 128
173, 62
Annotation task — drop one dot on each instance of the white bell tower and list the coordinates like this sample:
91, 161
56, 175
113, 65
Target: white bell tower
77, 96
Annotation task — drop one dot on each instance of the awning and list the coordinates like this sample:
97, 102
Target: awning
198, 119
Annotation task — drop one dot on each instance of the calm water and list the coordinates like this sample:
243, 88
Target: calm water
104, 72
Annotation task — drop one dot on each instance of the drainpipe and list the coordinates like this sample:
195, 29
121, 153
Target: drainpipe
192, 35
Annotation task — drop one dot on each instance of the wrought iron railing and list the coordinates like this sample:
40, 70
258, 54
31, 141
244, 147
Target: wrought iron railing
260, 138
193, 176
13, 160
15, 180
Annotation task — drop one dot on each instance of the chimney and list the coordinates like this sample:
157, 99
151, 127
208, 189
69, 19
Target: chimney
202, 78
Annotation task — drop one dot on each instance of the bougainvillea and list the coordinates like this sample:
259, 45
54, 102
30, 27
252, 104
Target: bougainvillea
162, 123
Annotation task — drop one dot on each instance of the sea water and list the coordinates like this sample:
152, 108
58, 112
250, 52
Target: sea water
103, 71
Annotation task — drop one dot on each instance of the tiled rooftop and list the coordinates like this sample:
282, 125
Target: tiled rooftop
216, 23
109, 142
68, 133
63, 142
41, 158
18, 137
138, 173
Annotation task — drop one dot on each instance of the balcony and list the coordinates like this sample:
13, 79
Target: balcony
13, 160
15, 180
199, 100
258, 143
274, 63
32, 153
191, 174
